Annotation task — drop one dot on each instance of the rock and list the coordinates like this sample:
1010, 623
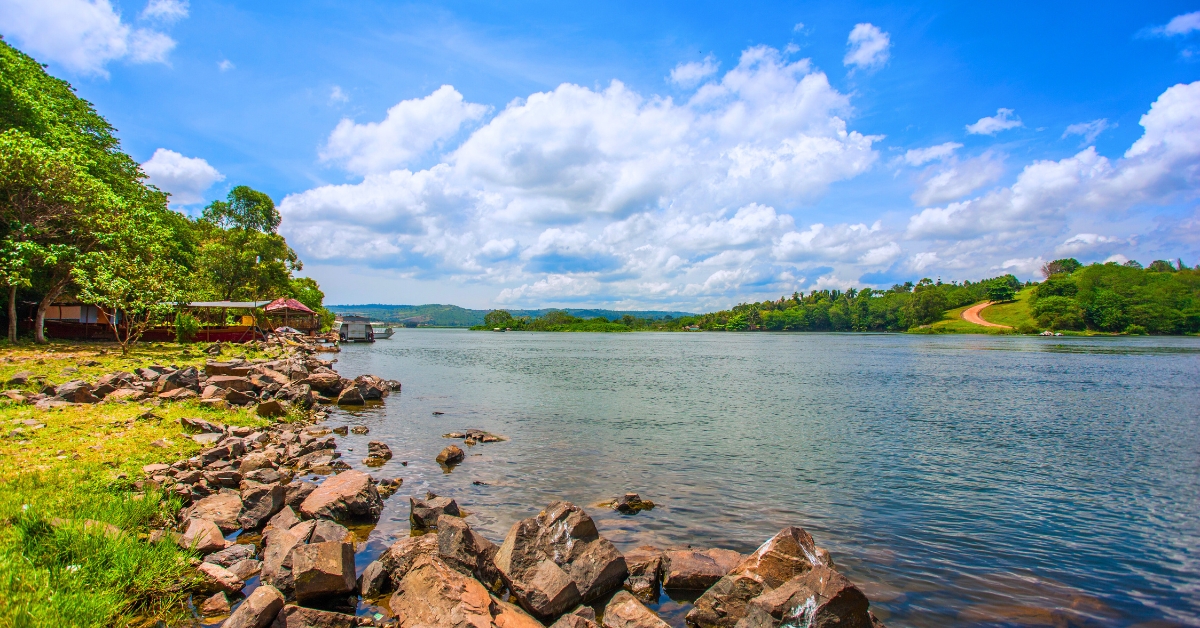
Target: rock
230, 382
264, 476
466, 551
631, 504
258, 611
394, 384
821, 598
293, 616
450, 456
556, 560
75, 391
126, 394
255, 461
433, 595
284, 519
323, 569
239, 398
645, 573
233, 554
505, 615
325, 531
325, 383
246, 569
148, 374
350, 397
217, 578
424, 513
278, 560
260, 502
693, 570
374, 580
403, 554
216, 404
347, 495
271, 408
200, 425
297, 491
360, 429
625, 611
203, 536
215, 606
225, 368
178, 394
377, 453
788, 554
371, 388
222, 509
155, 469
20, 378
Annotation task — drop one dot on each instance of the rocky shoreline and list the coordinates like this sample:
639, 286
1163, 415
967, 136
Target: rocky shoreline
292, 561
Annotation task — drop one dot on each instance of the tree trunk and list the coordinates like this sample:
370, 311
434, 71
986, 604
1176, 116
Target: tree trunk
39, 334
12, 314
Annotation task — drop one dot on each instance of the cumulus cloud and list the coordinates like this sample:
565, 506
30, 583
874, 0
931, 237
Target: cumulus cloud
83, 36
411, 128
957, 179
165, 10
1089, 243
868, 46
1004, 120
1181, 25
692, 73
922, 156
1089, 130
185, 178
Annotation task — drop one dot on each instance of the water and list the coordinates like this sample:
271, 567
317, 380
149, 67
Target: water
991, 481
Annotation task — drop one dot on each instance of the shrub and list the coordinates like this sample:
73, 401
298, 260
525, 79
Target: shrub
1135, 330
186, 327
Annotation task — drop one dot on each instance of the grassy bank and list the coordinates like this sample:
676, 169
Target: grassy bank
63, 468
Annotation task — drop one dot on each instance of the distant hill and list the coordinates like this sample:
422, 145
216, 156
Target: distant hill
453, 316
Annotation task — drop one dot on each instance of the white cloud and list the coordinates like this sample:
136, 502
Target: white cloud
1089, 130
411, 128
798, 27
337, 95
185, 178
1088, 243
922, 156
83, 36
225, 65
1182, 24
168, 11
857, 243
1003, 120
957, 179
692, 73
868, 46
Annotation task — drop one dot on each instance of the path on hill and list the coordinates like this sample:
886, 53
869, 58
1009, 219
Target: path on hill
971, 315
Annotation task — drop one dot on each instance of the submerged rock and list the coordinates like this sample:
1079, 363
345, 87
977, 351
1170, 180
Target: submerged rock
451, 455
424, 513
821, 597
258, 611
625, 611
697, 570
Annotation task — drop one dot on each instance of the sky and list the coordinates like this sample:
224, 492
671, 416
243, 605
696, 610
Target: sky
656, 155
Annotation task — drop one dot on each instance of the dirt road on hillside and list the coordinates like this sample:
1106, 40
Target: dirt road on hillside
971, 315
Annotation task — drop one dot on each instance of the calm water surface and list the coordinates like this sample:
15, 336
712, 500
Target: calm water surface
991, 481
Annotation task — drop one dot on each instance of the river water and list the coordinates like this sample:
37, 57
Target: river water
958, 480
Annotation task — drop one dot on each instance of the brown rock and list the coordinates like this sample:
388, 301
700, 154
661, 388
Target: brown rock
271, 408
325, 383
230, 382
277, 559
505, 615
215, 606
788, 554
322, 569
625, 611
450, 455
293, 616
260, 502
434, 595
217, 578
325, 531
284, 519
403, 554
821, 598
464, 550
222, 509
125, 394
645, 573
350, 397
575, 621
239, 398
178, 394
226, 368
76, 391
246, 569
233, 554
556, 560
374, 580
254, 462
297, 491
424, 513
696, 571
203, 536
258, 611
347, 495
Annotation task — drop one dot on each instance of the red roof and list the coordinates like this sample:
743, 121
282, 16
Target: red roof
287, 304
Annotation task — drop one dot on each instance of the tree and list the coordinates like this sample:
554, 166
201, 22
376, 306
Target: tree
241, 256
1061, 266
498, 319
1000, 291
926, 305
1160, 266
244, 208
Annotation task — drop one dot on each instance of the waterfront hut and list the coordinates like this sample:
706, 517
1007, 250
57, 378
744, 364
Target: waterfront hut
285, 312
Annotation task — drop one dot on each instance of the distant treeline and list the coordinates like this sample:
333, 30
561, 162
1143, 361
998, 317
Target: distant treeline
438, 315
1162, 298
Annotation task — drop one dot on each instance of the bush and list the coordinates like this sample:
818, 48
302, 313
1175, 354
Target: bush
186, 327
1058, 312
1135, 330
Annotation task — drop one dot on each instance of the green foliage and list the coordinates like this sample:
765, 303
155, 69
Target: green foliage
1064, 266
1160, 266
186, 327
245, 209
1135, 330
498, 318
1058, 312
1001, 292
1056, 286
926, 304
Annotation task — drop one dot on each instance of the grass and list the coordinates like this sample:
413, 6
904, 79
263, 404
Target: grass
1015, 314
77, 464
953, 323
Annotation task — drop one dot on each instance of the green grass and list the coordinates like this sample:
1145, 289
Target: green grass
1015, 314
81, 466
953, 323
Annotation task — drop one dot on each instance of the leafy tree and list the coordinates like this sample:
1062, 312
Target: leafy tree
498, 318
241, 256
1000, 292
246, 209
1132, 264
926, 305
1058, 312
1160, 266
1064, 266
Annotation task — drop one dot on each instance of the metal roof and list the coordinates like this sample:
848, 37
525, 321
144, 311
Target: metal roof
229, 304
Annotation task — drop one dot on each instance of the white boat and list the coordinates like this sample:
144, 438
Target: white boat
382, 330
356, 329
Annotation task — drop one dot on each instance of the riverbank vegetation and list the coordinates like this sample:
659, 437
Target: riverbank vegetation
79, 221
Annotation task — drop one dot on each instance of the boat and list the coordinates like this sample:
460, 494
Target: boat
382, 330
355, 329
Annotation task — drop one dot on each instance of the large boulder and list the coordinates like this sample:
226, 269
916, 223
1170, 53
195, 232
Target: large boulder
203, 536
326, 530
214, 578
237, 369
405, 553
434, 595
424, 513
323, 569
372, 388
231, 555
350, 397
325, 383
790, 553
297, 491
230, 382
697, 570
556, 560
293, 616
820, 598
258, 611
374, 580
75, 391
465, 550
451, 455
278, 560
625, 611
347, 495
220, 508
645, 573
260, 502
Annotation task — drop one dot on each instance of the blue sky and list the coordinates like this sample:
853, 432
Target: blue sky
682, 155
